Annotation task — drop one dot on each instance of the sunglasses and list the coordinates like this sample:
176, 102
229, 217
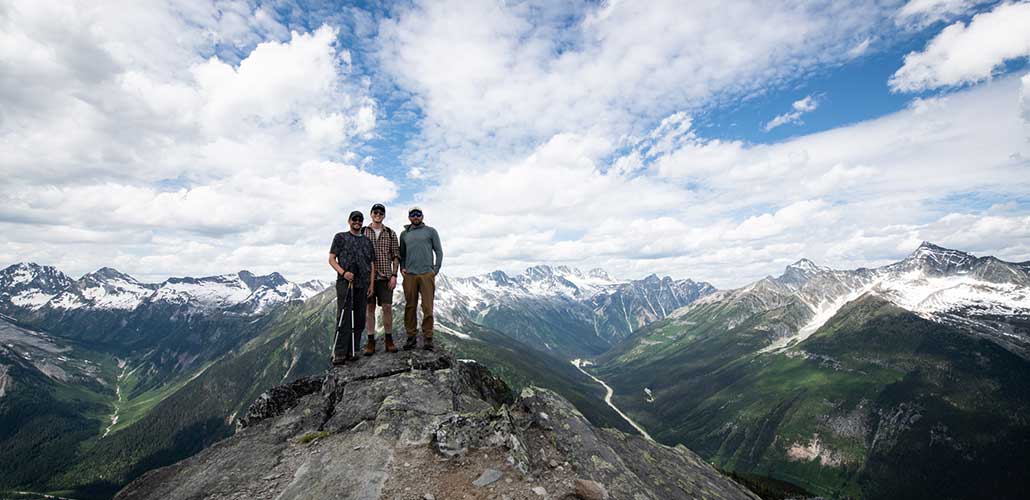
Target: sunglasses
378, 212
414, 214
357, 219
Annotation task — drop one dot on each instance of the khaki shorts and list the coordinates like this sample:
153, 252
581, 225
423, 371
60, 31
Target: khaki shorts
381, 293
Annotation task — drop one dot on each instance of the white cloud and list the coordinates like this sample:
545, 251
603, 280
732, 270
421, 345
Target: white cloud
860, 49
1024, 97
802, 106
512, 77
918, 14
730, 212
118, 134
805, 212
839, 178
962, 54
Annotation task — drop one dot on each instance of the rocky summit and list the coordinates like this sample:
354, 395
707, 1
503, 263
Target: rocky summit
420, 425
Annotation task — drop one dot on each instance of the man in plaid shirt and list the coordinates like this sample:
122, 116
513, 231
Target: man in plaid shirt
387, 260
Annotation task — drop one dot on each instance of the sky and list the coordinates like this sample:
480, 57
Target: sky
718, 141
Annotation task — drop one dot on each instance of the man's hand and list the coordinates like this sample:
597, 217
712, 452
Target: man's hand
393, 282
349, 276
370, 292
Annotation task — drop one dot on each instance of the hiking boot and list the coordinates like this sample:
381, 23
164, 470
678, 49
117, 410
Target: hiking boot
370, 347
427, 343
389, 344
411, 343
339, 358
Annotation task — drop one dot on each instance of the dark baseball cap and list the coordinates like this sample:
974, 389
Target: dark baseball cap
378, 206
356, 215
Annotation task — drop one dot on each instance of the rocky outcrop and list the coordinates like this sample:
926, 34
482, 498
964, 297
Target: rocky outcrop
424, 425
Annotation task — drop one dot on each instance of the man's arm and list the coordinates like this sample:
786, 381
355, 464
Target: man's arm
333, 264
402, 251
438, 251
395, 251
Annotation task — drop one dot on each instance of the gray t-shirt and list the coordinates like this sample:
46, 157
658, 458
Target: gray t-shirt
419, 245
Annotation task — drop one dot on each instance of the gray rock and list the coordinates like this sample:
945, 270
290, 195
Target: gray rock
540, 491
488, 476
379, 409
278, 399
590, 490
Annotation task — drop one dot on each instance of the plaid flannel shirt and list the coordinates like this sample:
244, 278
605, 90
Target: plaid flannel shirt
387, 248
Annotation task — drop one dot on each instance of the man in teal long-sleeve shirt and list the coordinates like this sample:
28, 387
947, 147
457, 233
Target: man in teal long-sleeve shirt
420, 244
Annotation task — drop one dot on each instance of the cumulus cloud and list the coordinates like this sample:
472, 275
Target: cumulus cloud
963, 54
119, 132
802, 106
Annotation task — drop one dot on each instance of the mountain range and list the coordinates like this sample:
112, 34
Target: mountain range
31, 287
908, 380
173, 363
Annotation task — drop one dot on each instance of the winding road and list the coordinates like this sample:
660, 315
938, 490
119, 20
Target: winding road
579, 364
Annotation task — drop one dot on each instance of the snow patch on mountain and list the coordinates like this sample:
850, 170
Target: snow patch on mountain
22, 275
934, 282
31, 299
823, 311
930, 295
453, 332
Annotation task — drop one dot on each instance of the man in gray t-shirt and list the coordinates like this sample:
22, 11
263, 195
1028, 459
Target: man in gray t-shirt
419, 245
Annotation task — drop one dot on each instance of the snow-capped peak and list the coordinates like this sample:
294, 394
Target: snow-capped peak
105, 288
807, 266
31, 285
936, 259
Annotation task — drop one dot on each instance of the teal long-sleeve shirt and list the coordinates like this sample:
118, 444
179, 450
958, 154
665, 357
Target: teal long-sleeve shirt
419, 244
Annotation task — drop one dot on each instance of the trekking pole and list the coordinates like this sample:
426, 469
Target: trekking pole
350, 293
339, 323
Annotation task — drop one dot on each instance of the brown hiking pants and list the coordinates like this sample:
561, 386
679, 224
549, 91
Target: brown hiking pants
416, 285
